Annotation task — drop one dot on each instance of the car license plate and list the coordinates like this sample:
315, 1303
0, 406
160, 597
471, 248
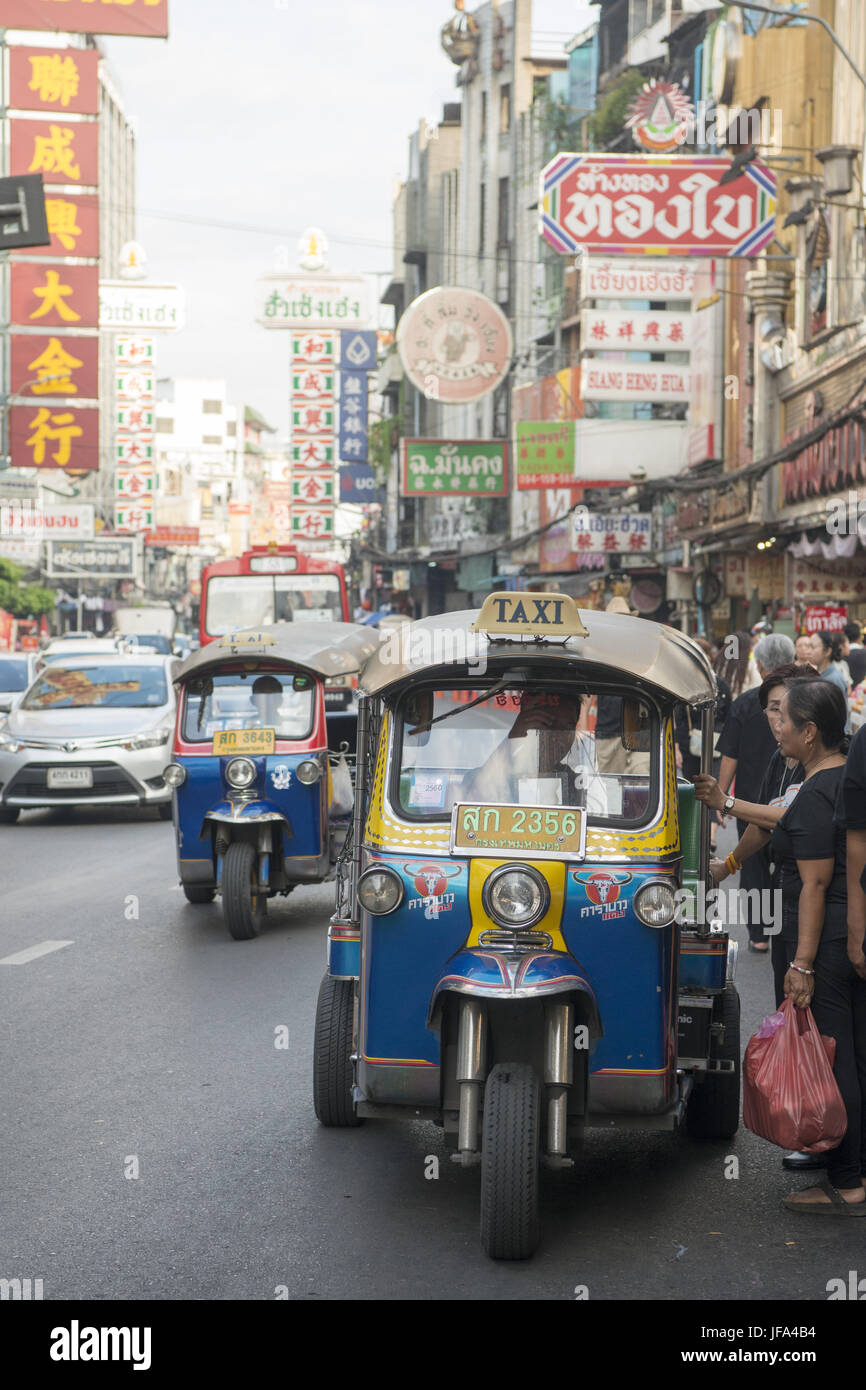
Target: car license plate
545, 832
244, 741
63, 777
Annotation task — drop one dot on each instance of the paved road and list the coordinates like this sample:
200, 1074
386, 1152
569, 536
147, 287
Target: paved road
150, 1040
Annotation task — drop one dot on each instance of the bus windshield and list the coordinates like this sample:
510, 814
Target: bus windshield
251, 600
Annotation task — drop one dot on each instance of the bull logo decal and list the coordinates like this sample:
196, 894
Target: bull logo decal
431, 885
602, 885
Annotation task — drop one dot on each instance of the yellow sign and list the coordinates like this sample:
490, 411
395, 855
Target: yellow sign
244, 741
546, 831
250, 638
554, 616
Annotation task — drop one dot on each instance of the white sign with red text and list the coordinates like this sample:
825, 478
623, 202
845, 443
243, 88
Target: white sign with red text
640, 330
638, 381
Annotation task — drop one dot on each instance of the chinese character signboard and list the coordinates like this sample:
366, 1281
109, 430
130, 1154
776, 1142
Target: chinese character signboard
54, 437
313, 417
61, 153
620, 533
173, 535
134, 480
455, 468
641, 330
313, 488
312, 301
59, 365
55, 297
353, 416
455, 344
313, 348
655, 205
61, 80
545, 454
312, 522
73, 221
313, 453
142, 18
136, 516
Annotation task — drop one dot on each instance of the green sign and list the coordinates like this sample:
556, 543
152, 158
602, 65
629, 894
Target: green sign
545, 454
455, 468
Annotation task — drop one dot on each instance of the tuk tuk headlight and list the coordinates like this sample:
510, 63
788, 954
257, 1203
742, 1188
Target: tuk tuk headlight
240, 773
308, 772
515, 896
380, 891
174, 775
655, 904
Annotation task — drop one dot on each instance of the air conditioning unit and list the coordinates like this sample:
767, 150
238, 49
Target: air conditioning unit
679, 586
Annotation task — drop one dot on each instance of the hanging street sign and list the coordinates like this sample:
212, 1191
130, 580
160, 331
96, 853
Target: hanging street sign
638, 381
313, 453
311, 348
313, 300
640, 330
455, 468
606, 277
313, 488
358, 350
455, 344
358, 483
139, 307
353, 416
312, 522
655, 205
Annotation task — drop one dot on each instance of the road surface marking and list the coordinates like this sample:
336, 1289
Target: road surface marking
33, 952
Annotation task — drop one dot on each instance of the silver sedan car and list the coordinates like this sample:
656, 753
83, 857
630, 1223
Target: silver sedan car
90, 731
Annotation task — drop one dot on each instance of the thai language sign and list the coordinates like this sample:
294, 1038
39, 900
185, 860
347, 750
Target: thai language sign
147, 19
619, 533
24, 520
602, 277
455, 344
312, 301
455, 468
102, 559
124, 305
545, 454
655, 204
639, 381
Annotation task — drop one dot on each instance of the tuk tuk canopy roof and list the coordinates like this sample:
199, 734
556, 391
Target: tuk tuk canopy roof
325, 649
616, 644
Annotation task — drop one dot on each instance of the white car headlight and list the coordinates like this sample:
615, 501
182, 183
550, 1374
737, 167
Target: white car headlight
655, 904
9, 744
515, 896
151, 738
240, 773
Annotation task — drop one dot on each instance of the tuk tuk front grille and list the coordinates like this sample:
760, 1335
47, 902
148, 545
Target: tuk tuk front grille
108, 780
508, 940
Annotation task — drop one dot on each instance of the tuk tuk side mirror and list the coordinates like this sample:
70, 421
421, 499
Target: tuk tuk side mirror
635, 726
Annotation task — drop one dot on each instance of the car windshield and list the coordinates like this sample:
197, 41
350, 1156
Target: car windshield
13, 674
252, 600
279, 700
528, 746
150, 639
115, 685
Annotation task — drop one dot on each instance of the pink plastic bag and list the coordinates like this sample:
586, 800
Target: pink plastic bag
790, 1094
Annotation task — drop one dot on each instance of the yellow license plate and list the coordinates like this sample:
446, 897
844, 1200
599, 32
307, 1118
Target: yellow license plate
539, 831
244, 741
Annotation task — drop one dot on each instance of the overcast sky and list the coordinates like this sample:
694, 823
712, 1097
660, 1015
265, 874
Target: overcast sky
257, 119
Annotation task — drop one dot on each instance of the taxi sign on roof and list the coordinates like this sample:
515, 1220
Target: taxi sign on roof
554, 616
251, 638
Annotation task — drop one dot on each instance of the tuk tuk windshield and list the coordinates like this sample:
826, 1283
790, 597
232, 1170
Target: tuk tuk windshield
238, 699
527, 746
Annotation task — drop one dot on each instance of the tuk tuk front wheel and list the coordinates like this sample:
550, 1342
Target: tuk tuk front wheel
243, 902
332, 1054
510, 1158
198, 892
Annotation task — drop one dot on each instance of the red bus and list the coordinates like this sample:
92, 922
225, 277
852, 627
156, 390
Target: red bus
271, 584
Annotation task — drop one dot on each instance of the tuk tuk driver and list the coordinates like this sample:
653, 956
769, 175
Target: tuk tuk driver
267, 696
560, 754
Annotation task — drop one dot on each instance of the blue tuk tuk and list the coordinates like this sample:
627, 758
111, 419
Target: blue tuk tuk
524, 944
260, 773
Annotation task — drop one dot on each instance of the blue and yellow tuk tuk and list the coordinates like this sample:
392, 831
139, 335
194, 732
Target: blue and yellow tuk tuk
254, 804
523, 944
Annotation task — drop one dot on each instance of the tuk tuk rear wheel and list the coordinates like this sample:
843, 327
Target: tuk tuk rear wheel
198, 892
510, 1157
713, 1110
243, 902
332, 1054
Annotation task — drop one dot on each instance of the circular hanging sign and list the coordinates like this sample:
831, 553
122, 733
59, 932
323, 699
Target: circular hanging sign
455, 344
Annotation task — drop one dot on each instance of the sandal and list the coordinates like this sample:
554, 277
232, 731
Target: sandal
837, 1206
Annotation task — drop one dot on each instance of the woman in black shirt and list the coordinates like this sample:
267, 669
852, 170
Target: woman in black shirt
809, 851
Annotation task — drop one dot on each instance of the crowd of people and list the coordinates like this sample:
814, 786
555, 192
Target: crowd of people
795, 783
